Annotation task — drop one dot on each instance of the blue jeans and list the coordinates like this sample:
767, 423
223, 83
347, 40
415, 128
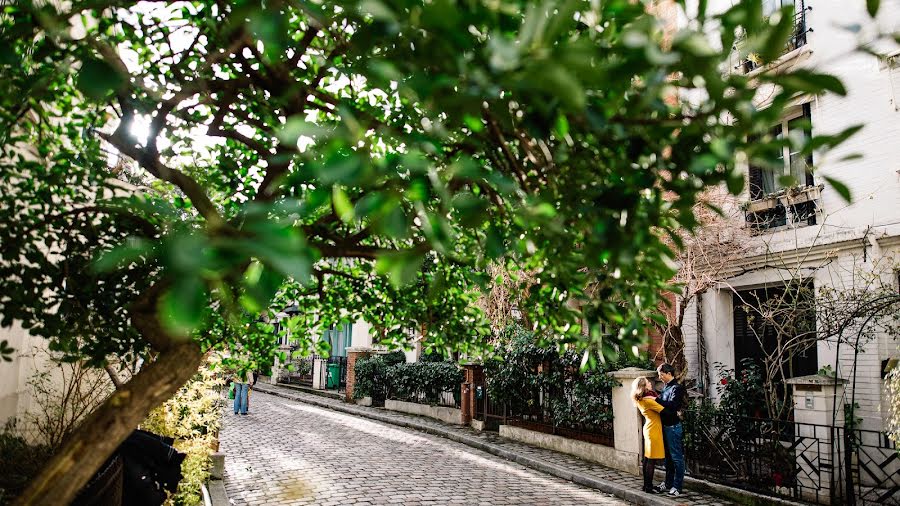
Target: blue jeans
674, 456
241, 397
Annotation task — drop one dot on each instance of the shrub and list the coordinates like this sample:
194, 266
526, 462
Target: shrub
192, 417
423, 382
415, 382
528, 365
371, 379
743, 395
19, 462
394, 358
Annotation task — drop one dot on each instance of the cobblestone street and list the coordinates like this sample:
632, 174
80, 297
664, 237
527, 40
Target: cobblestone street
286, 452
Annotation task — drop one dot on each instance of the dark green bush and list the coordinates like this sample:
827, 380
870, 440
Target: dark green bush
423, 382
19, 462
371, 379
394, 358
527, 365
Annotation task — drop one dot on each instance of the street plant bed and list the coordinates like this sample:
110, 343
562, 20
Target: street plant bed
602, 438
537, 384
387, 377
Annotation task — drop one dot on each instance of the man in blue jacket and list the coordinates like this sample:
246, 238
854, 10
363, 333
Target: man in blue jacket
672, 399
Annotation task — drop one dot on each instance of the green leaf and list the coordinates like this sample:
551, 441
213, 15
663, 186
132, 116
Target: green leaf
98, 80
812, 82
296, 127
474, 124
472, 209
735, 182
342, 205
872, 6
282, 247
271, 27
395, 223
778, 35
182, 307
6, 351
261, 283
786, 181
401, 267
129, 251
841, 188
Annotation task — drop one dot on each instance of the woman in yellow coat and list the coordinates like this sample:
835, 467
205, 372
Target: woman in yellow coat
644, 397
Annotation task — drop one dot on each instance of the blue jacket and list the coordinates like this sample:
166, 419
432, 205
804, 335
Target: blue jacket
672, 398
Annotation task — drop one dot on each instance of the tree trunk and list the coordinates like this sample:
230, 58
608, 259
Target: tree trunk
86, 449
673, 350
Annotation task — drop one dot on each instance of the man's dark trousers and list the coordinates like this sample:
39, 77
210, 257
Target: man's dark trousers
672, 399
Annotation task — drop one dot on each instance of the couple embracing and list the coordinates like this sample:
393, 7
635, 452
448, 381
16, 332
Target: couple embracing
662, 429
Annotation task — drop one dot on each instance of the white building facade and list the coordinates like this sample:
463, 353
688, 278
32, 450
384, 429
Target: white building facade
809, 233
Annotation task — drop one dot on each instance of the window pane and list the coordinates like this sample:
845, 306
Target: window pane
772, 6
770, 177
799, 135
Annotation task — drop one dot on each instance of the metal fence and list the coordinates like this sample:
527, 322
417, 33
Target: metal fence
874, 468
331, 372
801, 461
796, 40
446, 398
298, 370
535, 410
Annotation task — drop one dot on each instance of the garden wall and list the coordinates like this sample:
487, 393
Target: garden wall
442, 413
600, 454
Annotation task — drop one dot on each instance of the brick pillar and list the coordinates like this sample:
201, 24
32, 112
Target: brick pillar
473, 377
352, 355
465, 403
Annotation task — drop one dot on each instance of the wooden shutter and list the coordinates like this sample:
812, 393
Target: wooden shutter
809, 159
754, 178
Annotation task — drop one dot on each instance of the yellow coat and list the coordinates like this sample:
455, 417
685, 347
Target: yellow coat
653, 436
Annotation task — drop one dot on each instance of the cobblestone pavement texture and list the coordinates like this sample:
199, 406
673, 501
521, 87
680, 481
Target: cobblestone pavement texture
559, 464
290, 452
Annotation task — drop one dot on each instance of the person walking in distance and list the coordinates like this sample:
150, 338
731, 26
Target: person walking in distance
673, 399
242, 382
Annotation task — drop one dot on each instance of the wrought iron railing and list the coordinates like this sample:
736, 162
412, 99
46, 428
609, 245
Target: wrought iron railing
796, 40
298, 370
773, 457
449, 399
808, 462
535, 411
874, 468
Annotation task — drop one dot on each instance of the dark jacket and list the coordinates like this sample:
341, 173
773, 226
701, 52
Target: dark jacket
672, 398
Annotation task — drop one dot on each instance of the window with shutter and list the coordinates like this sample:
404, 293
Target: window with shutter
795, 172
755, 337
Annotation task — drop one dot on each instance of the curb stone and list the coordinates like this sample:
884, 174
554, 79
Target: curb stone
618, 490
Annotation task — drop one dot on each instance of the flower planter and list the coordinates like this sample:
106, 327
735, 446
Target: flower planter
796, 196
763, 204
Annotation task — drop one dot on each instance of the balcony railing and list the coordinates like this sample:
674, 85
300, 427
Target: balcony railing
797, 39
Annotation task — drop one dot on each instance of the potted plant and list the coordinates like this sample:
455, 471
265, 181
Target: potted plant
801, 194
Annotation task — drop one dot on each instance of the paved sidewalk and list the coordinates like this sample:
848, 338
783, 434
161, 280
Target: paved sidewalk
288, 452
618, 483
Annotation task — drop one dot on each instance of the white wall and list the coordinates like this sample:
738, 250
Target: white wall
13, 375
361, 335
833, 248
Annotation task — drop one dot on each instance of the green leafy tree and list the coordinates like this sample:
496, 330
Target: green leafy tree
268, 146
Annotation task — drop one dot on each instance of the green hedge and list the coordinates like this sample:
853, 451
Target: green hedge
423, 382
371, 379
571, 397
